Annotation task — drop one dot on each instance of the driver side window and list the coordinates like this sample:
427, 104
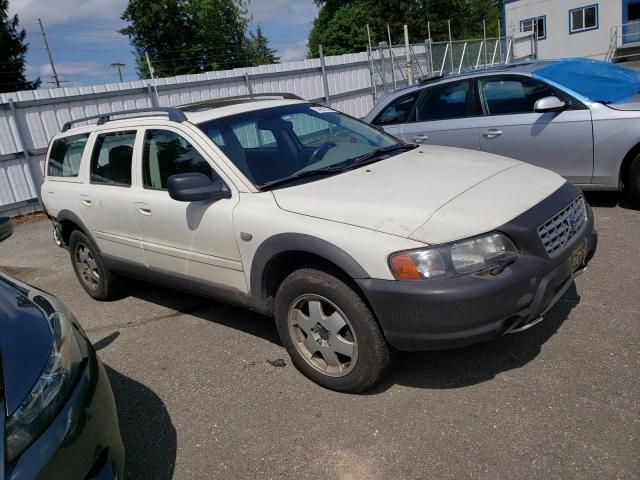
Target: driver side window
166, 153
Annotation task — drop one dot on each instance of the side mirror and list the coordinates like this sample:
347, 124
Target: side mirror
195, 187
549, 104
6, 228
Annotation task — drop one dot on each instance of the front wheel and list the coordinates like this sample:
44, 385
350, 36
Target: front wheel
329, 332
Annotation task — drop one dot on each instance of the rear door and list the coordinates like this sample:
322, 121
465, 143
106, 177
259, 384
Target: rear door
560, 141
445, 114
105, 200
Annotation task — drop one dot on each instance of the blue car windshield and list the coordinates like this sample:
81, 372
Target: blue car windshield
596, 80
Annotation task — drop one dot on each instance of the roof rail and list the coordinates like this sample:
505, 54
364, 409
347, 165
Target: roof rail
224, 101
175, 115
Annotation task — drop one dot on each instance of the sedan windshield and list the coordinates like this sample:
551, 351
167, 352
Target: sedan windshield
273, 145
593, 79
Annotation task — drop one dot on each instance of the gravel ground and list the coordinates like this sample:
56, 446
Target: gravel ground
198, 399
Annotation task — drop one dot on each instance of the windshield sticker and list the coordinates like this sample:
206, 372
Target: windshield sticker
321, 109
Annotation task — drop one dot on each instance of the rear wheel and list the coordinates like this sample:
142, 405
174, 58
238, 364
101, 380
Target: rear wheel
633, 186
329, 332
94, 276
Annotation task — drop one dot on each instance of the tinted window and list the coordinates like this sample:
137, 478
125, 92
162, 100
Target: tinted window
502, 96
447, 101
111, 158
65, 157
398, 111
167, 153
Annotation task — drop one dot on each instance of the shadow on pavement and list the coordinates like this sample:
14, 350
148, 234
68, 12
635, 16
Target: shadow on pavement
148, 434
610, 200
206, 309
481, 362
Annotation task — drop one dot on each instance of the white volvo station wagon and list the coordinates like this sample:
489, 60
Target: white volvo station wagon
357, 243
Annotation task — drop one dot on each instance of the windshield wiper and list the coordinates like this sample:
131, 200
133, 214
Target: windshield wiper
341, 167
378, 152
302, 174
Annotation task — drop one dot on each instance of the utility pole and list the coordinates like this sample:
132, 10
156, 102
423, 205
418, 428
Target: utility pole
119, 66
46, 46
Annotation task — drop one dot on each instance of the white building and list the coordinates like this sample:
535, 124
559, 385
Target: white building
575, 28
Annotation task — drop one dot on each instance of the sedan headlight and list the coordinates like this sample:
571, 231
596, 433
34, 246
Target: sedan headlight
491, 251
50, 392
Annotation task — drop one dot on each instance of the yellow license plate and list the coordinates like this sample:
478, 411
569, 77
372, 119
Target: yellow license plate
578, 256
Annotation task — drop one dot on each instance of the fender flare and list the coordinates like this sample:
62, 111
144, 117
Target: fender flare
68, 215
298, 242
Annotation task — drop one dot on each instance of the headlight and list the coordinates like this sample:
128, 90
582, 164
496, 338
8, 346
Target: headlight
50, 391
486, 252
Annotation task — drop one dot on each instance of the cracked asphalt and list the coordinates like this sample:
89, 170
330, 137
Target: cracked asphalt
198, 396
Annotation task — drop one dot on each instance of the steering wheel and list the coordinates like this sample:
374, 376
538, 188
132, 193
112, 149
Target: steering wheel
320, 152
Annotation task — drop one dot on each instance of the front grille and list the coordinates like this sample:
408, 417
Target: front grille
557, 232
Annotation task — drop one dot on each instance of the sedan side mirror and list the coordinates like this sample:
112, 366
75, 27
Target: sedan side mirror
6, 228
549, 104
195, 187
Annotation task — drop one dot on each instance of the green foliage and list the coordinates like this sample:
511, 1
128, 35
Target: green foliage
12, 52
332, 24
340, 29
259, 51
193, 36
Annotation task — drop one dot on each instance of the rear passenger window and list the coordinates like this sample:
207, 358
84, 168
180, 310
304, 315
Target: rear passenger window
66, 153
398, 112
166, 153
111, 158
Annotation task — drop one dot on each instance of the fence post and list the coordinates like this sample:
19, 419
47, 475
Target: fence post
325, 83
408, 54
248, 82
152, 97
393, 67
450, 45
383, 72
484, 41
371, 69
25, 151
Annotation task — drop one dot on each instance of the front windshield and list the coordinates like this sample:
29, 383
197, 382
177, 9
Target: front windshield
593, 79
275, 143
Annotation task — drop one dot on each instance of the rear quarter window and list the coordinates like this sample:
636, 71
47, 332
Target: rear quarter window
65, 156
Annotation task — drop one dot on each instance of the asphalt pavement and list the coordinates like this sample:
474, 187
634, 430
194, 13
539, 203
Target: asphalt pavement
199, 398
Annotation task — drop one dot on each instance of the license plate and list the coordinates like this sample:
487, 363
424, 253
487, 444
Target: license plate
578, 256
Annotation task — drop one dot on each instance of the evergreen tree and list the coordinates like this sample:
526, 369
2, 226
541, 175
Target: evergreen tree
259, 51
12, 52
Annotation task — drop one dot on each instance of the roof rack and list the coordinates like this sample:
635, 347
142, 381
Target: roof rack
225, 101
175, 115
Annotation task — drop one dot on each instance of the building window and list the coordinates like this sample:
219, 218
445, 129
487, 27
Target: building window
539, 24
583, 18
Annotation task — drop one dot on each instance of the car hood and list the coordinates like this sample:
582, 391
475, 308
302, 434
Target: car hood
25, 338
400, 195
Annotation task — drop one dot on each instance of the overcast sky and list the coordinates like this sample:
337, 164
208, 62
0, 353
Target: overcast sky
84, 41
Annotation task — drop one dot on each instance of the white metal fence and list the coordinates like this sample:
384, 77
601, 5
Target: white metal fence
351, 82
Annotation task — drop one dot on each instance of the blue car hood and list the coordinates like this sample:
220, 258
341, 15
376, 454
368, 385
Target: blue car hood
25, 339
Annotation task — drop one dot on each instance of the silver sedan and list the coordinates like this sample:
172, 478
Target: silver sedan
578, 117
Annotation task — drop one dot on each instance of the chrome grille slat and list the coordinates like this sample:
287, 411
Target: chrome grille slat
560, 229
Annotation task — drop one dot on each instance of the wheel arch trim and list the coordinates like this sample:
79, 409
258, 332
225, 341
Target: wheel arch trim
298, 242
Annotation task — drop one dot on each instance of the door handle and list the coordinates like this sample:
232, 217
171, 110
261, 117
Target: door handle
420, 138
86, 201
143, 208
492, 133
